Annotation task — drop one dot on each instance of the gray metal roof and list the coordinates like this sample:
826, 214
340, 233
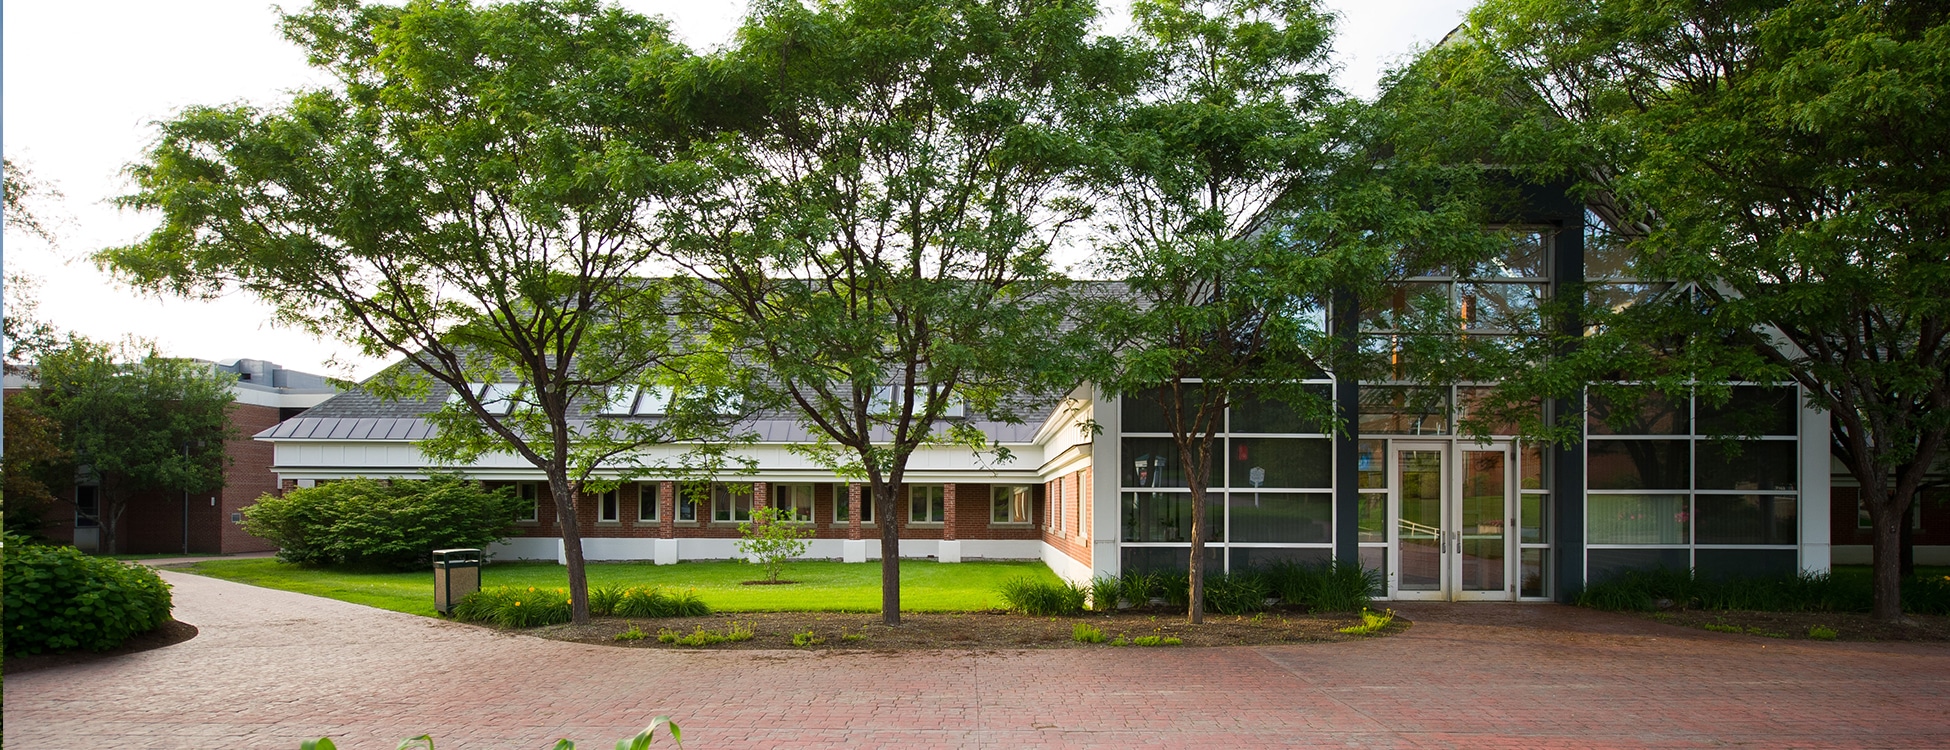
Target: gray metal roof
356, 415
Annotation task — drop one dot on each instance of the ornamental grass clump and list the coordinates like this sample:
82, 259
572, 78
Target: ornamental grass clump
1236, 593
1324, 587
646, 601
515, 607
1043, 598
59, 599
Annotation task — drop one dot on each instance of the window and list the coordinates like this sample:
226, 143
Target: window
608, 507
646, 502
926, 504
1010, 504
87, 507
495, 398
886, 396
730, 507
689, 496
1862, 513
841, 505
1056, 504
794, 501
531, 492
642, 401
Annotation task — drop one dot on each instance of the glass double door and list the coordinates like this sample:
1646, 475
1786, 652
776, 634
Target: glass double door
1453, 511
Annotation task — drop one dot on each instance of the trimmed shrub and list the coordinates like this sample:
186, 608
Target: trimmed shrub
1043, 599
59, 599
393, 524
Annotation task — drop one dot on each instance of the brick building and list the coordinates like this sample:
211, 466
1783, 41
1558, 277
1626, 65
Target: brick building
201, 523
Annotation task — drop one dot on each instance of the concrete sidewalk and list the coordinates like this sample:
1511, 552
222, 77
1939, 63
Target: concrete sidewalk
270, 669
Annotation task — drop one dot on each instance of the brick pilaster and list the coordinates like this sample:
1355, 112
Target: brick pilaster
667, 510
948, 512
852, 510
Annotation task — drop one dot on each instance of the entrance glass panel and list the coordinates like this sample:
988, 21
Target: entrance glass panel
1482, 541
1420, 535
1454, 523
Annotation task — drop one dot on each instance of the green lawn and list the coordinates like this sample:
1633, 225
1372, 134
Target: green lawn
926, 586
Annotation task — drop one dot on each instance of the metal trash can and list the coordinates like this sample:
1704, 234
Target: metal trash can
456, 573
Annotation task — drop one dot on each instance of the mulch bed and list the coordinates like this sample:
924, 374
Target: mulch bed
973, 630
1848, 626
170, 634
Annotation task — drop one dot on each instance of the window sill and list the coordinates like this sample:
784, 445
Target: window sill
608, 523
925, 524
1011, 524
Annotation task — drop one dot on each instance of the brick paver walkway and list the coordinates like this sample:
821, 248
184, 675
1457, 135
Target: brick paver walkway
270, 668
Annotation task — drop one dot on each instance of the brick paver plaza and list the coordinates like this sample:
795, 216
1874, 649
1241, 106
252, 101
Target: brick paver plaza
271, 668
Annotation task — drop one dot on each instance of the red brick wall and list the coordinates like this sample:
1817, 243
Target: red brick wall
1843, 514
248, 478
1065, 532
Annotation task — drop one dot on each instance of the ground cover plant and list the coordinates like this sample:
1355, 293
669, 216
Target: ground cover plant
1330, 587
822, 585
59, 599
519, 607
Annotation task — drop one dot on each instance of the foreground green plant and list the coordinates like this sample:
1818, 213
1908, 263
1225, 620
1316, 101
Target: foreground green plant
1156, 640
702, 637
633, 634
519, 607
1823, 633
642, 739
807, 639
1084, 632
59, 599
1648, 590
1043, 598
1371, 622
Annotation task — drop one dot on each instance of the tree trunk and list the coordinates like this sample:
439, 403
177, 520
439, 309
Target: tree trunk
1886, 519
890, 553
1195, 607
565, 516
1906, 532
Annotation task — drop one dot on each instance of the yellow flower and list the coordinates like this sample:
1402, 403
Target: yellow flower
517, 604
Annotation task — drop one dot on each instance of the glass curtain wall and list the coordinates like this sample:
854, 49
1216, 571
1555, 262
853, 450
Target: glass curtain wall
1270, 497
1682, 484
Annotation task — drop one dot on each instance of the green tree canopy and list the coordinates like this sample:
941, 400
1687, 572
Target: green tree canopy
888, 190
479, 194
133, 421
1778, 165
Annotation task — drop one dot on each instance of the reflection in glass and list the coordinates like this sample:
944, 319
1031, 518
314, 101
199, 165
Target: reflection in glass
1532, 572
1524, 257
1153, 462
1606, 254
1404, 410
1746, 465
1638, 464
1482, 521
1372, 523
1282, 517
1167, 516
1469, 409
1499, 307
1530, 466
1143, 412
1746, 519
1403, 304
1419, 531
1643, 413
1281, 462
1617, 297
1750, 410
1254, 414
1370, 465
1374, 560
1533, 511
1637, 519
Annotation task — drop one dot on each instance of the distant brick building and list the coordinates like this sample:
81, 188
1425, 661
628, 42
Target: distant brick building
200, 523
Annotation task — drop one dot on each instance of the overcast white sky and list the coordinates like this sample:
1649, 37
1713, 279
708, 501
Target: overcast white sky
83, 80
